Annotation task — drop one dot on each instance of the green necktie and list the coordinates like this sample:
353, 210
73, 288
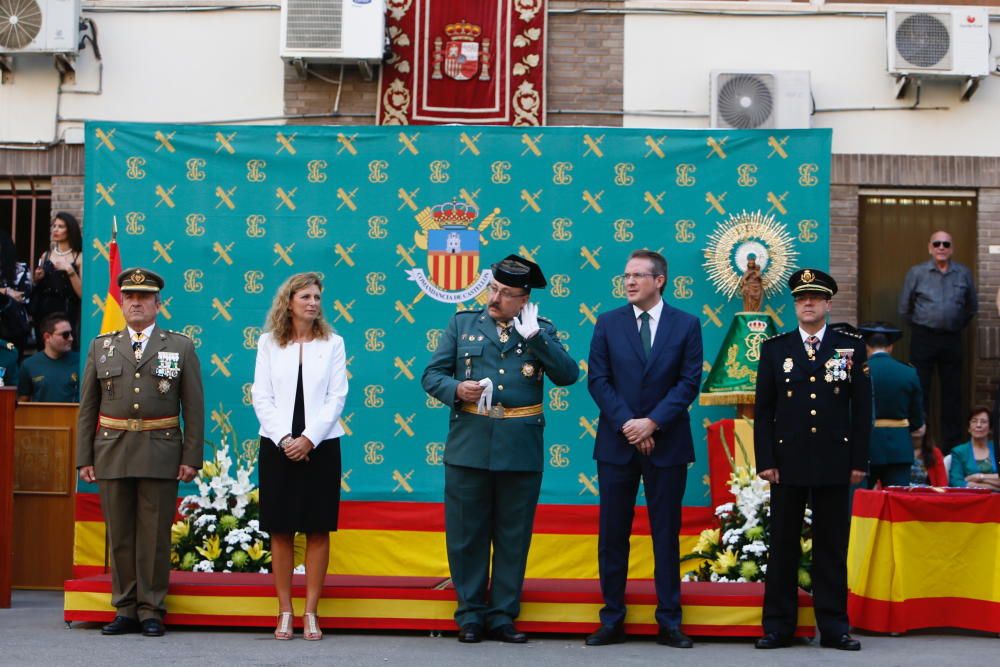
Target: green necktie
645, 334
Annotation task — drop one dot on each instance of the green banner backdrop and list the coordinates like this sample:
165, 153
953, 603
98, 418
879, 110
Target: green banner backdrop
225, 214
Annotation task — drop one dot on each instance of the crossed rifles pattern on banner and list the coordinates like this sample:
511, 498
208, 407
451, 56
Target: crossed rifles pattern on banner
227, 213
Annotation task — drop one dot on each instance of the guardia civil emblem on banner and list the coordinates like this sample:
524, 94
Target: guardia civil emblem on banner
452, 242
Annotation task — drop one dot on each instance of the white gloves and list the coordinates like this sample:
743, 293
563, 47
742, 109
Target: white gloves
527, 323
486, 398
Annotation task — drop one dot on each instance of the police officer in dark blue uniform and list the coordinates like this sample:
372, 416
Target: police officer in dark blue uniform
811, 433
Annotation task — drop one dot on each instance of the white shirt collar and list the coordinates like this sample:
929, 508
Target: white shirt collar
819, 334
654, 312
146, 333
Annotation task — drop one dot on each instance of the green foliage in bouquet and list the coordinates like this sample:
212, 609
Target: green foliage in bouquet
219, 530
736, 551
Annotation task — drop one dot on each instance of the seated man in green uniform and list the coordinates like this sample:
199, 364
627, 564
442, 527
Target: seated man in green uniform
8, 363
899, 408
489, 369
53, 374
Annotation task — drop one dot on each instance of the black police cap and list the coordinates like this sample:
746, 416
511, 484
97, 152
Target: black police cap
516, 271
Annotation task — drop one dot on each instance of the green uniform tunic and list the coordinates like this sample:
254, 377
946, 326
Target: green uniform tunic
493, 464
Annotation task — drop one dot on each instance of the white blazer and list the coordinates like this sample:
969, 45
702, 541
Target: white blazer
324, 387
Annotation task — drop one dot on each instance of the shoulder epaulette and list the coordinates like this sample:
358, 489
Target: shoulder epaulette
109, 333
468, 312
179, 333
10, 345
545, 319
777, 335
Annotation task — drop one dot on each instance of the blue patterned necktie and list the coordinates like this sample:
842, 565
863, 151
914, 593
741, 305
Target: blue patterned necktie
645, 334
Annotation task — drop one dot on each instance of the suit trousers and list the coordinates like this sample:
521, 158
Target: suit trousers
664, 488
830, 529
138, 513
930, 349
484, 508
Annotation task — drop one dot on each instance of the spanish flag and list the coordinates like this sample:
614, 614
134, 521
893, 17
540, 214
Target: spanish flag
114, 319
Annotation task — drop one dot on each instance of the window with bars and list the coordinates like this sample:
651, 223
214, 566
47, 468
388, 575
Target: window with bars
25, 212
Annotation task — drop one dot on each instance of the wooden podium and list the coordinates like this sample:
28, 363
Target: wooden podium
8, 396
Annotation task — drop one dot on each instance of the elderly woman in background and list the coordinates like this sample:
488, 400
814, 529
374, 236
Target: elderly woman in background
299, 389
973, 463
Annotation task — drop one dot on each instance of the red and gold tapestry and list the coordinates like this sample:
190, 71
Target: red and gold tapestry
455, 61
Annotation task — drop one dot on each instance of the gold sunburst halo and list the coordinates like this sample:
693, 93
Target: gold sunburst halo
743, 234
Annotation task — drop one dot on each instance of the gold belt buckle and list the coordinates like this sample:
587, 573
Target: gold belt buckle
134, 424
497, 411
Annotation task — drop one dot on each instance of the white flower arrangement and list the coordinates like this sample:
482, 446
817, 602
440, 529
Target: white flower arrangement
220, 530
737, 550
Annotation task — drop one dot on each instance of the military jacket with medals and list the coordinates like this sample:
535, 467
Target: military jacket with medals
165, 382
813, 417
470, 349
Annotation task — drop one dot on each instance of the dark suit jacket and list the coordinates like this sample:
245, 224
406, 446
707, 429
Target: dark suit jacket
814, 430
625, 385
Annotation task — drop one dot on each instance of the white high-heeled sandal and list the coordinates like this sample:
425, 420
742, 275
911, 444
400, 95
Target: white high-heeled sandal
284, 630
310, 628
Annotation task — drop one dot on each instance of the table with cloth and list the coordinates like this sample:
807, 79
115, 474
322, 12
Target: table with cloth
923, 557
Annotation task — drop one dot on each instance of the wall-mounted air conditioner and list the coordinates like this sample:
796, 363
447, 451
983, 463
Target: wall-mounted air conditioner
924, 41
39, 26
760, 99
333, 31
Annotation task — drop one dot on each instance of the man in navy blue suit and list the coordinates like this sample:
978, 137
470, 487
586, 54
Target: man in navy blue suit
645, 368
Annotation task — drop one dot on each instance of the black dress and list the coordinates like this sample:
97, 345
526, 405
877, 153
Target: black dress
299, 496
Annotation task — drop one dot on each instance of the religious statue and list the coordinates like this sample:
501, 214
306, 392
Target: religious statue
752, 286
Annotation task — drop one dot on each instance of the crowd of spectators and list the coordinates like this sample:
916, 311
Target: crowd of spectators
40, 315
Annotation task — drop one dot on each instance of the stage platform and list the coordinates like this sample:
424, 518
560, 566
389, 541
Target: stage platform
566, 606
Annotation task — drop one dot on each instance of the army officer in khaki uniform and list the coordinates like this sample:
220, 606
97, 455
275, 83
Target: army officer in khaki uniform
489, 368
136, 386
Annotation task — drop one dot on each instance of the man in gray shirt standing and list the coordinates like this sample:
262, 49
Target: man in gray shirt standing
938, 300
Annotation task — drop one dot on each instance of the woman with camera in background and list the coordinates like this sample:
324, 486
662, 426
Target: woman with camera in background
58, 285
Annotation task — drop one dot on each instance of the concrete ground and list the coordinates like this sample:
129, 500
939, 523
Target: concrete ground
32, 632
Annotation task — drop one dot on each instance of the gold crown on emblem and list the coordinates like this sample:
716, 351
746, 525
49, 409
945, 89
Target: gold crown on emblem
462, 31
454, 213
807, 276
757, 326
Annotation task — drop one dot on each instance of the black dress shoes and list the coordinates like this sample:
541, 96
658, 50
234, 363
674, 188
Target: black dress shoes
607, 634
509, 634
152, 627
773, 640
844, 643
673, 637
122, 625
471, 633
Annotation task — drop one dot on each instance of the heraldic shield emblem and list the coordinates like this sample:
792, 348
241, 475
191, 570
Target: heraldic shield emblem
463, 55
452, 242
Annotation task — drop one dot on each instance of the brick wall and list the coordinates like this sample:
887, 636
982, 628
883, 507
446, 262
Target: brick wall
987, 370
584, 62
67, 195
844, 251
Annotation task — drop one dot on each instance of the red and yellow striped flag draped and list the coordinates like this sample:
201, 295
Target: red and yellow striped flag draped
114, 319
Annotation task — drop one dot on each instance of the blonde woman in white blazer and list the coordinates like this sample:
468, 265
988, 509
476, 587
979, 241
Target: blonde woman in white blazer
299, 389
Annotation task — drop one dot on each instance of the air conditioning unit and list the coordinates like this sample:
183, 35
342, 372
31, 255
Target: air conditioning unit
333, 31
938, 41
761, 99
39, 26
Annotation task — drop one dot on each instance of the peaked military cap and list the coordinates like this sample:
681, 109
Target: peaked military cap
812, 281
516, 271
891, 333
137, 279
845, 327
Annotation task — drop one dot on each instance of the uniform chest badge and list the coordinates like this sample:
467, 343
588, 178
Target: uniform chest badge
163, 386
104, 358
167, 365
527, 369
107, 343
787, 366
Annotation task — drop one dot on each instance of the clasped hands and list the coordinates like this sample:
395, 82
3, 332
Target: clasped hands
639, 433
296, 449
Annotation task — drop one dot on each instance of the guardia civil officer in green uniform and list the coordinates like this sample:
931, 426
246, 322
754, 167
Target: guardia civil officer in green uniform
813, 406
489, 368
137, 385
899, 408
8, 363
